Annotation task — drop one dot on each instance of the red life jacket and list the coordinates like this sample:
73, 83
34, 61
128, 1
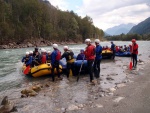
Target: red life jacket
58, 57
43, 60
135, 48
117, 49
130, 46
90, 52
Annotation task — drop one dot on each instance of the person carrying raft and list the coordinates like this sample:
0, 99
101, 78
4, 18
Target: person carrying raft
90, 56
97, 61
27, 60
55, 58
134, 53
68, 55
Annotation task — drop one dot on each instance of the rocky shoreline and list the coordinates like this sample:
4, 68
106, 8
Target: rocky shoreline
52, 96
35, 43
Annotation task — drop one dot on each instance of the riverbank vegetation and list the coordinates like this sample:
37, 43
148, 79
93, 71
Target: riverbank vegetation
128, 37
22, 20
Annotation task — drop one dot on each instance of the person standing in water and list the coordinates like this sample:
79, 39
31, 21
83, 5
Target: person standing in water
134, 53
113, 49
68, 55
98, 52
55, 57
27, 60
90, 56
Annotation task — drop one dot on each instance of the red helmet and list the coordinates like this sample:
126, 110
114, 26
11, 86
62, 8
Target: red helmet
133, 40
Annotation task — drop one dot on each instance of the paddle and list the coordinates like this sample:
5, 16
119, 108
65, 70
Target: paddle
130, 65
26, 71
80, 69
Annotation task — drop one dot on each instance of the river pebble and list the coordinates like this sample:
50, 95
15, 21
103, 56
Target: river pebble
120, 85
118, 99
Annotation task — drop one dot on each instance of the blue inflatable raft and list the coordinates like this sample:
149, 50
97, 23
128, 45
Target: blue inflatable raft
123, 54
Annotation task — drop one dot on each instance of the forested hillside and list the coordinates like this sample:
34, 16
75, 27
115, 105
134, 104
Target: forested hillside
22, 20
142, 28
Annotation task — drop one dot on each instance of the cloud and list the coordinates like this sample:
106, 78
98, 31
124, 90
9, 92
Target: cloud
61, 4
106, 14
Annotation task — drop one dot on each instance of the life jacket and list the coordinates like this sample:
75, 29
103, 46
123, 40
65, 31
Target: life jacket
90, 52
69, 56
26, 59
135, 48
48, 58
98, 51
130, 48
58, 57
43, 60
117, 49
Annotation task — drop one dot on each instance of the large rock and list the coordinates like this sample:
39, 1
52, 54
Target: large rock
4, 46
29, 44
6, 106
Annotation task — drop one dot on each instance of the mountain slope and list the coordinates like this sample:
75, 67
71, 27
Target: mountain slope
117, 30
142, 28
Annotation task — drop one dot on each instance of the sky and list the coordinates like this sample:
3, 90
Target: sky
108, 13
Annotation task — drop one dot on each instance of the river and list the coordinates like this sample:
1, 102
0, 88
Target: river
11, 76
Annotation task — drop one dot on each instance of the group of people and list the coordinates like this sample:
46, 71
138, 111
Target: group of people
124, 48
92, 53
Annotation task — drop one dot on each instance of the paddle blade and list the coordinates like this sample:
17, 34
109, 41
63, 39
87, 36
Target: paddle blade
130, 66
70, 73
26, 71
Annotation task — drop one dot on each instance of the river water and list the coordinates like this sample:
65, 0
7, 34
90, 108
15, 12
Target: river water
11, 76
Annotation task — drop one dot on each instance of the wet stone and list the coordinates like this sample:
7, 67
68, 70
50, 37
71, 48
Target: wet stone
99, 105
112, 89
72, 108
141, 63
105, 82
46, 85
121, 85
63, 110
80, 105
23, 96
7, 106
109, 78
101, 95
118, 99
96, 97
110, 94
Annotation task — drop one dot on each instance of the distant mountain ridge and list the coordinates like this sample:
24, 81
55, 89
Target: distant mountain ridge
142, 28
122, 28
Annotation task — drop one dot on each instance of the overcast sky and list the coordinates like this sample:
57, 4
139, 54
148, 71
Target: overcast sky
108, 13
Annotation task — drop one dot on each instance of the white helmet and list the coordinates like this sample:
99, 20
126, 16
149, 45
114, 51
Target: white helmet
66, 47
31, 52
27, 53
44, 51
48, 51
87, 40
55, 46
97, 41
